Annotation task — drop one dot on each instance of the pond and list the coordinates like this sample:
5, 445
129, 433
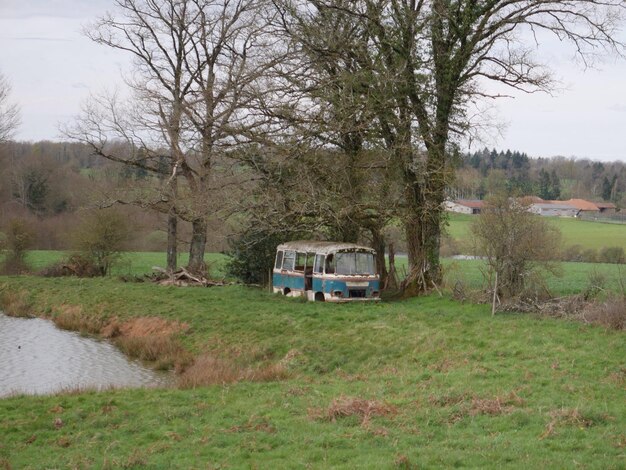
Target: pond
38, 358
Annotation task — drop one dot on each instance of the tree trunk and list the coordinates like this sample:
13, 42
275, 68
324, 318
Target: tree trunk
378, 243
423, 233
172, 245
392, 277
196, 249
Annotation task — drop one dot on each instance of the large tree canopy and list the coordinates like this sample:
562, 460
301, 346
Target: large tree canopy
417, 67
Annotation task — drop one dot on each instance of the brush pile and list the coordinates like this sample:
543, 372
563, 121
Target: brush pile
182, 278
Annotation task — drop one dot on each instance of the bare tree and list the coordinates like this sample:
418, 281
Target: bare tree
195, 61
517, 245
9, 112
426, 60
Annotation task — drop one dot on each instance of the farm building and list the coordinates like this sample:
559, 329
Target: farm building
582, 205
606, 207
465, 206
553, 209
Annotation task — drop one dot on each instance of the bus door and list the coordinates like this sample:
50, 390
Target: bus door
308, 271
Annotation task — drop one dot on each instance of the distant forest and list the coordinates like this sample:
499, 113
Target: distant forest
52, 183
558, 178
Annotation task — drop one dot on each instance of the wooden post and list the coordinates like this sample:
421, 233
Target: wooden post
495, 293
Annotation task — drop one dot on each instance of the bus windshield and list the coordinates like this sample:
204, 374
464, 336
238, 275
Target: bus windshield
355, 263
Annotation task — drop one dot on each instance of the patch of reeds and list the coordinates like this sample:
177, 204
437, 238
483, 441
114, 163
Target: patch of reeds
211, 370
16, 304
72, 318
164, 351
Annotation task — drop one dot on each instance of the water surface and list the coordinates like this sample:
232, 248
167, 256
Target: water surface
38, 358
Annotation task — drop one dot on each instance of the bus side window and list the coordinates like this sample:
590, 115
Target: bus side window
279, 260
318, 268
330, 264
289, 260
300, 261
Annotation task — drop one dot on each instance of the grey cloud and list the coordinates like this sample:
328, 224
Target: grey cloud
56, 8
620, 108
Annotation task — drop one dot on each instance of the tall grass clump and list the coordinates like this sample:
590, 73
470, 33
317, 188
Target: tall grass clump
211, 370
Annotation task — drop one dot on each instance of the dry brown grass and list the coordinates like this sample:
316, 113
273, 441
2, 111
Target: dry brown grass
343, 407
565, 417
618, 377
165, 351
150, 339
72, 318
449, 399
210, 370
468, 405
15, 303
254, 424
490, 406
151, 326
610, 313
403, 462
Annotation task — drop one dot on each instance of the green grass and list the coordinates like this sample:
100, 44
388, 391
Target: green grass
469, 390
593, 235
133, 263
574, 279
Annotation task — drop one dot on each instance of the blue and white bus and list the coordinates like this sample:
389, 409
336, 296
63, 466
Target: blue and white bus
326, 271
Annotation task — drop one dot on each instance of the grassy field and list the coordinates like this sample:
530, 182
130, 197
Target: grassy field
574, 279
594, 235
427, 382
133, 263
421, 383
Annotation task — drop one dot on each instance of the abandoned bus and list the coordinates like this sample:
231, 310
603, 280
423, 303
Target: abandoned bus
326, 271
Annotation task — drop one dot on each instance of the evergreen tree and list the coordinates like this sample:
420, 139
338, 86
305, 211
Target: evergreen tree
606, 189
555, 184
545, 185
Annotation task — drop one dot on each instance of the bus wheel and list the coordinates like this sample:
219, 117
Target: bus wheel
319, 297
286, 291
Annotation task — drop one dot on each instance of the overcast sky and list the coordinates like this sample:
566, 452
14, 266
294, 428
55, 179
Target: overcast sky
53, 67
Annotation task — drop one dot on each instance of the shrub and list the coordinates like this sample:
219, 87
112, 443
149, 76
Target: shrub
572, 253
589, 256
19, 237
75, 265
100, 238
252, 256
517, 244
610, 314
612, 254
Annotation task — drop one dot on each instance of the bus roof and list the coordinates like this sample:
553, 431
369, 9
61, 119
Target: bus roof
311, 246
